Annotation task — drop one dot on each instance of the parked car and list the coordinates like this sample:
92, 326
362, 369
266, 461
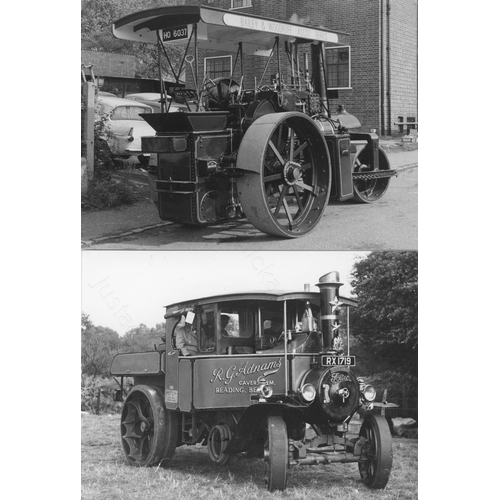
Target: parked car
126, 127
109, 94
153, 99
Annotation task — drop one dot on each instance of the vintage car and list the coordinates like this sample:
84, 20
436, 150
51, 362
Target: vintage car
126, 126
153, 99
247, 373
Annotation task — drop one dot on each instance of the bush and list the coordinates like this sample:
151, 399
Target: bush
89, 391
402, 389
103, 192
103, 158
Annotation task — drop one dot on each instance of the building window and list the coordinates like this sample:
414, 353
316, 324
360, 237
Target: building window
216, 67
338, 67
240, 4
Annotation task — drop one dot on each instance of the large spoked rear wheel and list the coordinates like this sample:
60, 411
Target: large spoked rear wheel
276, 454
376, 466
148, 430
287, 178
370, 190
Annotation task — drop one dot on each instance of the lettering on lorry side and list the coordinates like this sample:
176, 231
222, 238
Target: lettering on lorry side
227, 375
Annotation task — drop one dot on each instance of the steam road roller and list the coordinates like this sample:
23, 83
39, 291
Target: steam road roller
257, 139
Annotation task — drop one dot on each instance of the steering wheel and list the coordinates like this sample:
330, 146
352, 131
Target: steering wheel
218, 91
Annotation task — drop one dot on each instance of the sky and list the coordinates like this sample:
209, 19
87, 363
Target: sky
122, 289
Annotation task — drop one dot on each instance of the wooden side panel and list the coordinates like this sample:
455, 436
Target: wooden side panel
136, 363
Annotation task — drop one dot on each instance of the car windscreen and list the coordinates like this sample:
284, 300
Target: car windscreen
128, 112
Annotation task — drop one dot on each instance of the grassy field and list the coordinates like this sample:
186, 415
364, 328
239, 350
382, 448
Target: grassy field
191, 474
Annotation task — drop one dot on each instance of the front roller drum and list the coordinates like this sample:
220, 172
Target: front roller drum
368, 190
287, 176
148, 430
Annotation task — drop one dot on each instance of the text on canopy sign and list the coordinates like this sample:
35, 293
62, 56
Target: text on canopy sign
269, 26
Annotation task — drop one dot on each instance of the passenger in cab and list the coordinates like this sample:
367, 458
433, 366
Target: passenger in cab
224, 320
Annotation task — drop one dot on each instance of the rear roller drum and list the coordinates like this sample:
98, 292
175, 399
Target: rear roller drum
286, 185
376, 464
276, 454
370, 190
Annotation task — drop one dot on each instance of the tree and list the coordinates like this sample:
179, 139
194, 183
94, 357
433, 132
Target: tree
99, 345
142, 338
386, 321
97, 19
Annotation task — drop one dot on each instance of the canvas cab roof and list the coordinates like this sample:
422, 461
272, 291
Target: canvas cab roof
173, 310
219, 29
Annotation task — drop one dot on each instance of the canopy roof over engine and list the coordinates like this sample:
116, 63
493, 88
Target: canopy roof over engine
219, 29
269, 296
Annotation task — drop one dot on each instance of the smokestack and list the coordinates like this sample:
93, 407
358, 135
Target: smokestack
329, 285
307, 287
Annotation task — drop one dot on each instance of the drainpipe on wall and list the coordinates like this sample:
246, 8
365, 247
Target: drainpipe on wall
389, 132
382, 71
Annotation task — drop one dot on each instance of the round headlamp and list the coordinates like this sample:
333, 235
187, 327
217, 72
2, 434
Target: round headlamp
308, 392
369, 393
265, 390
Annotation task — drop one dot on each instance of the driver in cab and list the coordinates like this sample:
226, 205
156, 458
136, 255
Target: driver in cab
273, 333
185, 337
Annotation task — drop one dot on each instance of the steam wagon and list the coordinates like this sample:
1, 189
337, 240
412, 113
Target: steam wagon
266, 145
249, 373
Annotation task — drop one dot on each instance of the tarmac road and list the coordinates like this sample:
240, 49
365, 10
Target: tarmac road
388, 224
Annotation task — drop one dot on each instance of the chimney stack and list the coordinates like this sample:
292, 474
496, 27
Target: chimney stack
329, 285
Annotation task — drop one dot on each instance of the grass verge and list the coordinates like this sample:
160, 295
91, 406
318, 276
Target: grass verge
191, 474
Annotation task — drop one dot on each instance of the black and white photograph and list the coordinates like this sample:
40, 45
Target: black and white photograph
249, 249
259, 373
236, 124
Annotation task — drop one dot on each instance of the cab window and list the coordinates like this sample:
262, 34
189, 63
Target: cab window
207, 330
236, 324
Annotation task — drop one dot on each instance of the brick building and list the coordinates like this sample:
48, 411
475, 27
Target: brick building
383, 57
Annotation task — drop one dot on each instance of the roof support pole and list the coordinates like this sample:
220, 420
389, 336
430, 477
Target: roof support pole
285, 338
318, 75
195, 30
279, 63
267, 64
163, 97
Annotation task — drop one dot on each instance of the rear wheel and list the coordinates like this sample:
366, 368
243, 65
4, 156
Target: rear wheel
276, 454
370, 190
148, 430
375, 467
287, 178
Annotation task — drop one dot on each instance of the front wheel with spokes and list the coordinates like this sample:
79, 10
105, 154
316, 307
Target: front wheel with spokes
287, 176
376, 463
